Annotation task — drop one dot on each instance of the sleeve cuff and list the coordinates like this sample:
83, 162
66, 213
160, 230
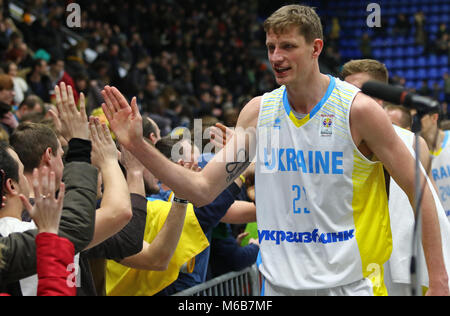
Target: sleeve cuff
79, 150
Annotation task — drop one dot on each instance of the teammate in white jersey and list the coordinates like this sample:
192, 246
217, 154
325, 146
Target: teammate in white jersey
294, 42
397, 269
439, 143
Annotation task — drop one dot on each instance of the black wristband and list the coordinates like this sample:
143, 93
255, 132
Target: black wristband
181, 201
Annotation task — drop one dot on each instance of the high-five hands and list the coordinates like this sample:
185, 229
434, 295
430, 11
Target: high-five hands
124, 119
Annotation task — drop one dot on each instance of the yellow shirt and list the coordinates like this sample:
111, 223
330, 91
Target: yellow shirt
125, 281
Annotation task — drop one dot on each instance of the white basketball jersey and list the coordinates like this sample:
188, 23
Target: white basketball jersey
321, 205
441, 172
402, 224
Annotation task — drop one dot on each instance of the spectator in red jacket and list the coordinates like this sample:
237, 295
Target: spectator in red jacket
58, 75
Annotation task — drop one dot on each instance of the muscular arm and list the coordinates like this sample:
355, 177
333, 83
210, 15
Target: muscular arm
370, 124
199, 188
241, 212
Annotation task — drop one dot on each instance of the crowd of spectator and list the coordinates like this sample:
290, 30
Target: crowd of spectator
183, 60
198, 67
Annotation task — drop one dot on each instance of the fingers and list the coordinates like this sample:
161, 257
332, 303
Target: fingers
36, 184
44, 184
222, 127
134, 107
243, 235
53, 114
83, 107
70, 99
99, 130
46, 212
93, 128
122, 102
108, 113
64, 96
61, 194
106, 133
111, 99
51, 184
26, 203
58, 99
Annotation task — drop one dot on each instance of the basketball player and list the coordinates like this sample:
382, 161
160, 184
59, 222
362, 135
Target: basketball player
439, 144
399, 115
398, 274
321, 203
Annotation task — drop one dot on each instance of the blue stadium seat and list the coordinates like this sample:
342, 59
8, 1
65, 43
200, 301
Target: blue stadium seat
422, 74
435, 8
443, 70
410, 62
421, 62
400, 73
410, 75
443, 60
433, 19
410, 51
389, 42
434, 73
432, 28
388, 63
418, 50
388, 53
377, 53
377, 42
432, 61
400, 41
398, 63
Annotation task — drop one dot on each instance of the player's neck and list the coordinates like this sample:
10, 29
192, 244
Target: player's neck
305, 95
434, 139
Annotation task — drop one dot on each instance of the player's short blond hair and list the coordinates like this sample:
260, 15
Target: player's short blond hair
303, 17
373, 68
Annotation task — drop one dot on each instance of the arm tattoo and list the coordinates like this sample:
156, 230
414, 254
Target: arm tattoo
234, 169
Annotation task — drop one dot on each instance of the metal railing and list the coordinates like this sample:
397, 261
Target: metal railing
242, 283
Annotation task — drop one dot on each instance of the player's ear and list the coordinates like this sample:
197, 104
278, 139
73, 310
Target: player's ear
317, 48
435, 117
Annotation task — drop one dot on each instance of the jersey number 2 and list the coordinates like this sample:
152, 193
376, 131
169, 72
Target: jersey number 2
298, 197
